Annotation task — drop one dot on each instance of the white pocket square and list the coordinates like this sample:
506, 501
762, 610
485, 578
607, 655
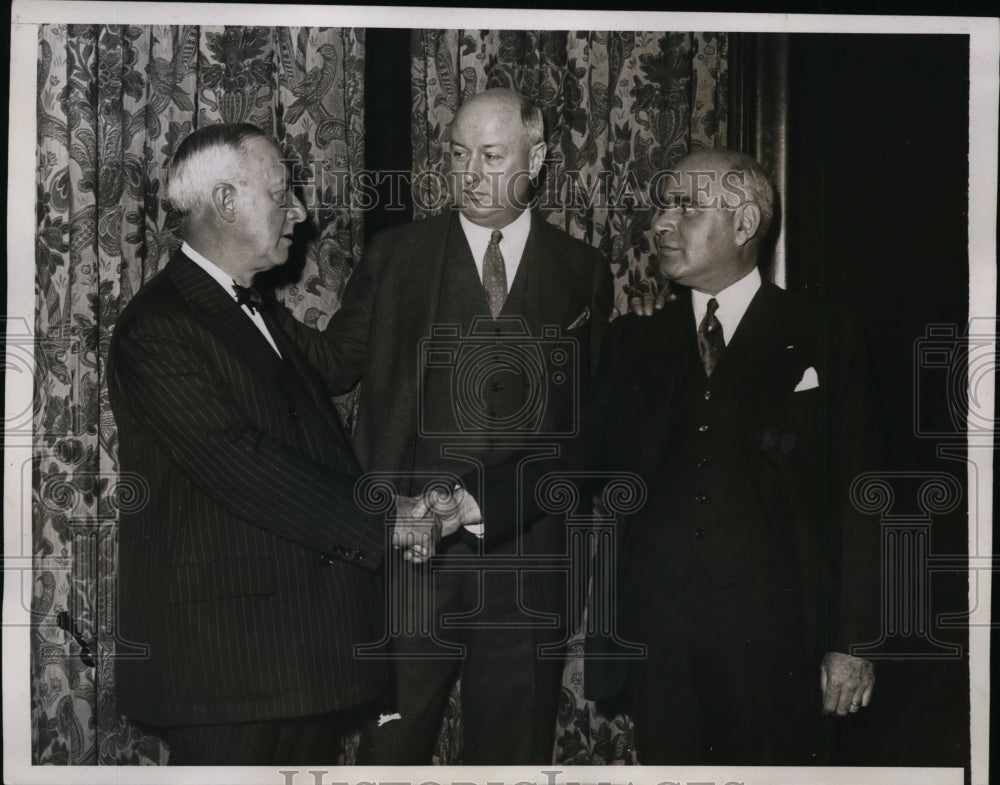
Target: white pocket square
808, 381
580, 320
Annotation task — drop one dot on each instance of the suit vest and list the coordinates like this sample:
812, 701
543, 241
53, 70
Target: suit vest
705, 507
476, 385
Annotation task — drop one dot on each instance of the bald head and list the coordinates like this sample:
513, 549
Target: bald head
714, 211
497, 149
740, 179
508, 104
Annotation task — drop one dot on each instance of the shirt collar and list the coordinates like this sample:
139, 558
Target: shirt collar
224, 279
515, 238
733, 302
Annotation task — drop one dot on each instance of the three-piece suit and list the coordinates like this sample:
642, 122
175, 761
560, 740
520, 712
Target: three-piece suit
748, 560
449, 391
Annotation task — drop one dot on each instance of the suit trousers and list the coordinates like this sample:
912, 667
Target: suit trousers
509, 695
295, 741
727, 679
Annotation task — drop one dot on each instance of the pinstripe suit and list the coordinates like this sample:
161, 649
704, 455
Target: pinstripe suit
249, 573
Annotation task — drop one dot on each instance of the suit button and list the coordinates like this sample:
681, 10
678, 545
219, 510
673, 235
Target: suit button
702, 463
292, 414
703, 429
701, 498
708, 395
700, 534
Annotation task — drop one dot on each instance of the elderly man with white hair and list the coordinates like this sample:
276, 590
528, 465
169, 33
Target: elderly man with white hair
247, 573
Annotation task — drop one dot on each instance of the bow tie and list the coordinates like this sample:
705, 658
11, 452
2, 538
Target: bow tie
248, 296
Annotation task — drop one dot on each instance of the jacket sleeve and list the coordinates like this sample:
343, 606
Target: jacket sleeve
339, 352
163, 384
856, 446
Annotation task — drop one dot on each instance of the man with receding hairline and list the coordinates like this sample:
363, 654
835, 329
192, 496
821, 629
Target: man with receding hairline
248, 573
747, 411
473, 275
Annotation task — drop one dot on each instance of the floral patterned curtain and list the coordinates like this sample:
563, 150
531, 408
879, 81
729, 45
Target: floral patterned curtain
619, 107
113, 103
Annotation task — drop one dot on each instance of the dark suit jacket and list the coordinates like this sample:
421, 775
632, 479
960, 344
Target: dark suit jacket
246, 569
800, 449
392, 301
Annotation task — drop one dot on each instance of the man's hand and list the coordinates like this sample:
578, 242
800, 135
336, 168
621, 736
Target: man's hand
453, 508
847, 683
646, 295
644, 303
415, 530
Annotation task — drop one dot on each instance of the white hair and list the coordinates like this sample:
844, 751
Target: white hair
210, 155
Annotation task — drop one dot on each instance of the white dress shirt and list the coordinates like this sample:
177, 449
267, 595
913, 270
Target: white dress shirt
226, 282
515, 237
733, 303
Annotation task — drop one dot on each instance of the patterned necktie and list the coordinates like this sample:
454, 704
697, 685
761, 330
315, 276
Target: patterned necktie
248, 296
710, 338
495, 274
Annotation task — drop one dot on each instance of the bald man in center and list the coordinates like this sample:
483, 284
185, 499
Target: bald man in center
421, 317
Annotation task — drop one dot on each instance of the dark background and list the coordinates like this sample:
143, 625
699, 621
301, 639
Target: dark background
878, 213
877, 207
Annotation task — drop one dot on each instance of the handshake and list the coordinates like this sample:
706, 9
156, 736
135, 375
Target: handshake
421, 521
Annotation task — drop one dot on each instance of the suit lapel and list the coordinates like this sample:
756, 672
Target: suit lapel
421, 283
226, 319
765, 354
223, 314
415, 295
537, 283
655, 360
311, 389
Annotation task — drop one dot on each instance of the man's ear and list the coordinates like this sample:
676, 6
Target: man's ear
224, 201
536, 157
746, 223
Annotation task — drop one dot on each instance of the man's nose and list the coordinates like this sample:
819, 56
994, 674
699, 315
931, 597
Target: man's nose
474, 171
297, 212
664, 222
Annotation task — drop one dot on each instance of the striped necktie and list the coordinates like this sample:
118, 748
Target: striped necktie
495, 274
711, 342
